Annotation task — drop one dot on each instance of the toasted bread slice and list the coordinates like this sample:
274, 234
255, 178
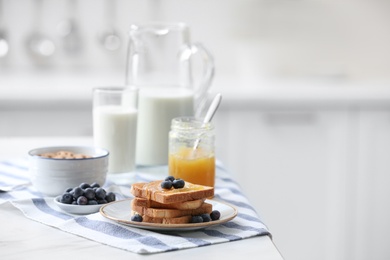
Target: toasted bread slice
153, 191
191, 204
178, 220
171, 213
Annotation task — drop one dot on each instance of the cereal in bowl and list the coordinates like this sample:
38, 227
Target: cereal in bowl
64, 155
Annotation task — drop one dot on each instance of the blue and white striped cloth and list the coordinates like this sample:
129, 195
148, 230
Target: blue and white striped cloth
98, 228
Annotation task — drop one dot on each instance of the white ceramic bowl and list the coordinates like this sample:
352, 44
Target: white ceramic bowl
53, 176
77, 209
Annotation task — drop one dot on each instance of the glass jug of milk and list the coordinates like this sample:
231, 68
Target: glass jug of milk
173, 76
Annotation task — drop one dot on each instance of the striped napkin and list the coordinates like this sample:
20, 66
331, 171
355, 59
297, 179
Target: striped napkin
98, 228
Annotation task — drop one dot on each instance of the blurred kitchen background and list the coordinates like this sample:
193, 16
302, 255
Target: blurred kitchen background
304, 125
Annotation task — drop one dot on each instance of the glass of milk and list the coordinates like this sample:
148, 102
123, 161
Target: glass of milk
115, 112
173, 75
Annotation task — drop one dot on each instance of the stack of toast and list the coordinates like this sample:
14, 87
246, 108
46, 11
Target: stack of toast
170, 206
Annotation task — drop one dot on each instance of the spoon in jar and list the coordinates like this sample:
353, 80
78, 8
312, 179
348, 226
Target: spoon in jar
209, 115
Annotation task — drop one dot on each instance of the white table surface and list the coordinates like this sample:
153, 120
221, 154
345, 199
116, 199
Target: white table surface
22, 238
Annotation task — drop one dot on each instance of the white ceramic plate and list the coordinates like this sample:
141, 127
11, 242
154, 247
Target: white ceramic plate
120, 211
77, 209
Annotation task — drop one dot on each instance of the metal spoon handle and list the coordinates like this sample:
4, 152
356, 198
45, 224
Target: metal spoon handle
209, 115
213, 108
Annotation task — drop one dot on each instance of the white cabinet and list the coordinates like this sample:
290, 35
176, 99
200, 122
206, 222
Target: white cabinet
46, 118
319, 177
372, 225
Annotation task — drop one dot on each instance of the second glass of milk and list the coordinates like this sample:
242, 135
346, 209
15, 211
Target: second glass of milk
115, 112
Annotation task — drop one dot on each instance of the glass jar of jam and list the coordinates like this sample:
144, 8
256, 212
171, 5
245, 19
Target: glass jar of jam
191, 151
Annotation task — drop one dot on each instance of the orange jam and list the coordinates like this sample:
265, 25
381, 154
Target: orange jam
196, 166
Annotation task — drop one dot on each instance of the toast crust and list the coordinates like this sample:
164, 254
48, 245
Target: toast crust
153, 191
178, 220
171, 213
191, 204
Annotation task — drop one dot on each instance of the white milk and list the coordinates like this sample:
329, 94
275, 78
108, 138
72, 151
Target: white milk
115, 128
156, 108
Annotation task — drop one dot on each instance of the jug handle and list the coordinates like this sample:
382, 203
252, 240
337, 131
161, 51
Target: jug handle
200, 93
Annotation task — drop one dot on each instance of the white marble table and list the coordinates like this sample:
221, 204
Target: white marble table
22, 238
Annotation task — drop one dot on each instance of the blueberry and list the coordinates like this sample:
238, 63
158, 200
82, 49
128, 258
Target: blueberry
110, 197
178, 183
102, 202
82, 200
77, 192
100, 193
196, 219
170, 178
92, 202
215, 215
95, 185
74, 202
206, 217
166, 184
84, 185
89, 193
68, 190
66, 198
136, 218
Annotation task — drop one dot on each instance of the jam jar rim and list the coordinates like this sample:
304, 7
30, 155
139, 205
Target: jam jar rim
186, 123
